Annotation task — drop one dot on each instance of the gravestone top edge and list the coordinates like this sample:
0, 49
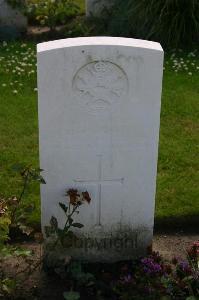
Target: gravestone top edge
98, 41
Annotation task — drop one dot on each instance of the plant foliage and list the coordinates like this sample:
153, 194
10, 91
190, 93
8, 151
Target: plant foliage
76, 199
51, 12
171, 22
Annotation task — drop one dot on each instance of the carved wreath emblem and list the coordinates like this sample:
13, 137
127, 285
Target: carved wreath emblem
100, 84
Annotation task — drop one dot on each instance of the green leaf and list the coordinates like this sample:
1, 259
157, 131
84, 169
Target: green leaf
71, 295
41, 180
70, 220
22, 252
63, 206
39, 170
78, 225
8, 285
38, 177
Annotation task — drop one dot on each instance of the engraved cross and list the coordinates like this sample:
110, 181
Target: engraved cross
99, 183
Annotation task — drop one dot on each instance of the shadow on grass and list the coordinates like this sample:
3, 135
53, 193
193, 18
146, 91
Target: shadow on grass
184, 224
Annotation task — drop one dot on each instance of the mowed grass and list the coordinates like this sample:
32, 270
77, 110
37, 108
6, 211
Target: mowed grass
178, 167
177, 181
18, 119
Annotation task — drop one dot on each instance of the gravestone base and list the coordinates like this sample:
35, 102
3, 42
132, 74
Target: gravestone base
103, 246
111, 247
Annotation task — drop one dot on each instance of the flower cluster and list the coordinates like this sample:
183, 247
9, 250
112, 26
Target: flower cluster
183, 269
179, 62
150, 266
18, 64
76, 199
193, 251
152, 278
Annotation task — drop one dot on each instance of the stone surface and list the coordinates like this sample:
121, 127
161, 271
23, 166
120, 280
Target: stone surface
99, 116
96, 7
11, 18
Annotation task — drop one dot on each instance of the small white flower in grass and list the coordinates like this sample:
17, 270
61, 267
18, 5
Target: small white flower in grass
189, 73
15, 92
4, 84
35, 89
197, 68
23, 45
11, 83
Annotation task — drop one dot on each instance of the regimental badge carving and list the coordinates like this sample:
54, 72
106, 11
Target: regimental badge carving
100, 84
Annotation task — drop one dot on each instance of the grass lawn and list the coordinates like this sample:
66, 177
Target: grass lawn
177, 182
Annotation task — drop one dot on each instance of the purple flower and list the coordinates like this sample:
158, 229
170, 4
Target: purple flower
151, 267
184, 267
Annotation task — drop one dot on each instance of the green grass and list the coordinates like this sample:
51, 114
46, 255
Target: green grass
18, 125
177, 182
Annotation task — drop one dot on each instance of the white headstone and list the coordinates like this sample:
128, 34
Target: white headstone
99, 116
11, 17
96, 7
